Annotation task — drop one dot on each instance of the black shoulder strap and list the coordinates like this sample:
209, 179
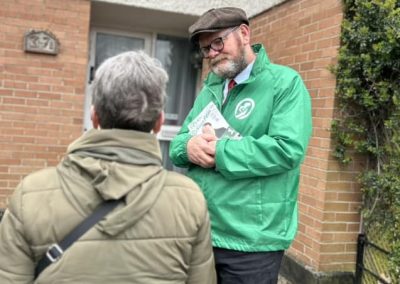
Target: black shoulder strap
55, 251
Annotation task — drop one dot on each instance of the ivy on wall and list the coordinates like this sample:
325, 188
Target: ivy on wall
368, 92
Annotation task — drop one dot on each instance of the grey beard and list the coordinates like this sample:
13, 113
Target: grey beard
234, 68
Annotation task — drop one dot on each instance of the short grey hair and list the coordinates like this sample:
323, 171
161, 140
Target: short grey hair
128, 91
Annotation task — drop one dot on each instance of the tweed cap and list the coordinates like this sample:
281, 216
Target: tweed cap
217, 19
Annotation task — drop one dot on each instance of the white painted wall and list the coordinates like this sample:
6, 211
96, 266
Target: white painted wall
198, 7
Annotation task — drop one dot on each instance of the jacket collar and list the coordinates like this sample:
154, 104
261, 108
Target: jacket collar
125, 146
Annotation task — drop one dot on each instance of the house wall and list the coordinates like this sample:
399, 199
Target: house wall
41, 96
305, 34
195, 7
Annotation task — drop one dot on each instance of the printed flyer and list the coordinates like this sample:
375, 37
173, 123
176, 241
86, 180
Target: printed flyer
211, 116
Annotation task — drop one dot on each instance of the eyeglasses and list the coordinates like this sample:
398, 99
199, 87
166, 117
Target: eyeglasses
216, 44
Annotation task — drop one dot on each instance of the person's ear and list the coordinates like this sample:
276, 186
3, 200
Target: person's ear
159, 123
94, 117
245, 32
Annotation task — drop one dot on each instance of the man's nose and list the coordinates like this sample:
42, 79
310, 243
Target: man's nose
212, 53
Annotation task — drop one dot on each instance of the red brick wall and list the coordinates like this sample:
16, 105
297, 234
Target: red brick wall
305, 34
41, 96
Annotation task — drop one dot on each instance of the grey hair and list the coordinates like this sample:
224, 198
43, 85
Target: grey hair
128, 91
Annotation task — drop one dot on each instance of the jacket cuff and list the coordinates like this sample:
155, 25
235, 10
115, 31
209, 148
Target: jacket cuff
183, 150
219, 148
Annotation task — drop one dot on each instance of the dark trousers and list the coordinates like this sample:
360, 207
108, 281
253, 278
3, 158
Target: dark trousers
236, 267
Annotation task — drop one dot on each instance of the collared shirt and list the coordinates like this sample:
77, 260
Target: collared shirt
240, 78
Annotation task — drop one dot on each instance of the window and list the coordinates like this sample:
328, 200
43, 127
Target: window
176, 56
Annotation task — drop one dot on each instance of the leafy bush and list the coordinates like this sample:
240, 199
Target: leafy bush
368, 91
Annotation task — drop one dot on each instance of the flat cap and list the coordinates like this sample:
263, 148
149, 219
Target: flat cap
217, 19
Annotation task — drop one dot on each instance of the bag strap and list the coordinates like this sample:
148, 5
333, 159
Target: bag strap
55, 251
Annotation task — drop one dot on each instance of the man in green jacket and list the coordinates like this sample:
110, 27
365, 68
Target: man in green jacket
160, 232
249, 176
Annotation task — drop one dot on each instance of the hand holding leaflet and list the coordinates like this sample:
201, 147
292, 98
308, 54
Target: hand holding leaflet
211, 117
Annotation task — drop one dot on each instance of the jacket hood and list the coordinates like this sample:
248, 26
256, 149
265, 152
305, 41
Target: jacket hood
113, 164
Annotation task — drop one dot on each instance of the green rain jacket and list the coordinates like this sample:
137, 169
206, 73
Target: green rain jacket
252, 191
159, 234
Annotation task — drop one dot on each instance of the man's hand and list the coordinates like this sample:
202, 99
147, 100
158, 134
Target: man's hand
201, 150
208, 129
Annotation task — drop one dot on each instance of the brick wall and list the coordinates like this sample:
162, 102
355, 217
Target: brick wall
305, 34
41, 96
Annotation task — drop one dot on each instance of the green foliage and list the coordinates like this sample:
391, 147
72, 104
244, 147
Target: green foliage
368, 91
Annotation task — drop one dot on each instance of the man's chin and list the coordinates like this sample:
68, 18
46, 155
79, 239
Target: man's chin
218, 73
223, 73
219, 69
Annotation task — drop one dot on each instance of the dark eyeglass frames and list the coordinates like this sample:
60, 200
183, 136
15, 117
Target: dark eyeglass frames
216, 44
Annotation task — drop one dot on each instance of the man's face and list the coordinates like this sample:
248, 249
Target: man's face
230, 60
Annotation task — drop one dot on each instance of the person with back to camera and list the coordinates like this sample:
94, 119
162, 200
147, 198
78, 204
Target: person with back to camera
158, 233
251, 183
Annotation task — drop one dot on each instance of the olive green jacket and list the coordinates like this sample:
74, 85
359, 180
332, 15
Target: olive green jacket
160, 234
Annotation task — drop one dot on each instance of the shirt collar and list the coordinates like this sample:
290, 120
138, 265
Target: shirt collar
245, 74
240, 78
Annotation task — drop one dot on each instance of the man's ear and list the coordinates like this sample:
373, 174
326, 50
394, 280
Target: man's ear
159, 123
94, 117
245, 31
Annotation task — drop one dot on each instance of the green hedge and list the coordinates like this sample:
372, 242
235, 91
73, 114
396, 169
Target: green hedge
368, 92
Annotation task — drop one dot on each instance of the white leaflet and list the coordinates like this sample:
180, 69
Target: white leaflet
212, 116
